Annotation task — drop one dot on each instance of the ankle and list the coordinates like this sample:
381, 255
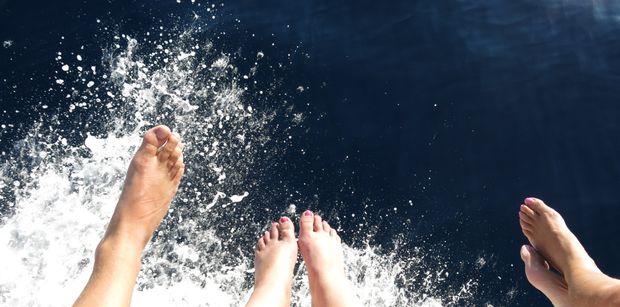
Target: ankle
127, 232
118, 248
274, 286
272, 295
328, 276
328, 281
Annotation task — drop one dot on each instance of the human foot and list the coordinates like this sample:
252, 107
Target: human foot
152, 181
549, 235
552, 285
274, 262
321, 248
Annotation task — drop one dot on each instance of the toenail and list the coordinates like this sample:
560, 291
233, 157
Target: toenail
530, 199
161, 134
283, 219
308, 213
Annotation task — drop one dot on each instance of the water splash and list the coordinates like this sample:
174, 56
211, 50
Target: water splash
59, 192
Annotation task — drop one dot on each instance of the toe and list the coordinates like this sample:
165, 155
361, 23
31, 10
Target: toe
334, 234
273, 232
525, 225
174, 170
155, 138
528, 234
318, 223
179, 174
525, 254
525, 217
267, 237
170, 147
529, 212
287, 229
326, 227
535, 204
306, 223
533, 259
177, 154
260, 245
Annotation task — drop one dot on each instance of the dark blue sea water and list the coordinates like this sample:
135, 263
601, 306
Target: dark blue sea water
442, 115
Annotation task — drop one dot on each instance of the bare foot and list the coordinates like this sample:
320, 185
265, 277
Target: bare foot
321, 248
151, 182
547, 232
276, 255
549, 235
552, 285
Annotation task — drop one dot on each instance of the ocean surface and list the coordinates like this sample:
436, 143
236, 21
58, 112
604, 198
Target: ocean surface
415, 127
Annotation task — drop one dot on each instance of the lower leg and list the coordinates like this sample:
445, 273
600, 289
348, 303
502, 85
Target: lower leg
592, 288
117, 263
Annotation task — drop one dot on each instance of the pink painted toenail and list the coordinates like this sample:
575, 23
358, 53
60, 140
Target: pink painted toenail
283, 219
308, 213
530, 199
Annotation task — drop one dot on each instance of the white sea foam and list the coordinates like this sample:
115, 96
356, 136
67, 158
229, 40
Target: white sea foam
64, 193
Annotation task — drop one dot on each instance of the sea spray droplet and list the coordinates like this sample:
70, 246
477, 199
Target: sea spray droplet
238, 198
65, 67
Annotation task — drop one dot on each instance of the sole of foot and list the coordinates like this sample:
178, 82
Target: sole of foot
321, 249
548, 234
152, 181
274, 263
551, 284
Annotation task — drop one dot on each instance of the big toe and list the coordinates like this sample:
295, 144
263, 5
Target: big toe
532, 259
306, 223
156, 137
536, 204
287, 229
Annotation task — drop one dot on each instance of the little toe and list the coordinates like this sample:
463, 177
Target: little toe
179, 174
155, 138
318, 223
306, 222
287, 229
334, 234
